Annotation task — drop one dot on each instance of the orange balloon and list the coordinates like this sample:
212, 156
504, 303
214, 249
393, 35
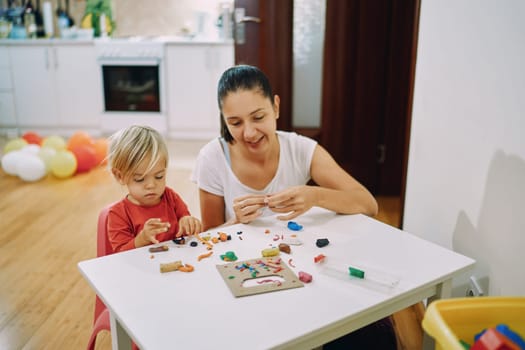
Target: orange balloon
101, 151
32, 138
79, 138
86, 158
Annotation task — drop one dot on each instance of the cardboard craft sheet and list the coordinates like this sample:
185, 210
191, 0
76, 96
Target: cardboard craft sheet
267, 275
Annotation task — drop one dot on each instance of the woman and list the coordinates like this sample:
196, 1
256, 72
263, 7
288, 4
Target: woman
253, 169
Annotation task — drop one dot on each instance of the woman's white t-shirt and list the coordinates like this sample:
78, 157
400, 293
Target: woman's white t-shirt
213, 174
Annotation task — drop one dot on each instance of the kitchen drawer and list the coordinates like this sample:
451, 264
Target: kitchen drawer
7, 109
5, 79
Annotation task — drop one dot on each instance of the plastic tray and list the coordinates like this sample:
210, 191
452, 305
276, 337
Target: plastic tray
450, 320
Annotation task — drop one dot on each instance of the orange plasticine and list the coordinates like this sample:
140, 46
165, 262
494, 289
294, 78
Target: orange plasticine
186, 268
205, 255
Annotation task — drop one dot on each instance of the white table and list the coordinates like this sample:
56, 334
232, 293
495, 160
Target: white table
197, 310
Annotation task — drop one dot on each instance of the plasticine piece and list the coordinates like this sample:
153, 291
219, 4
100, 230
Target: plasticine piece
223, 236
186, 268
322, 242
319, 258
292, 225
285, 248
292, 241
194, 244
172, 266
205, 255
229, 256
162, 248
356, 272
305, 277
270, 252
179, 240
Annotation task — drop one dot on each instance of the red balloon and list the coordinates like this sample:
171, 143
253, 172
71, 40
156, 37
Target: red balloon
86, 157
32, 138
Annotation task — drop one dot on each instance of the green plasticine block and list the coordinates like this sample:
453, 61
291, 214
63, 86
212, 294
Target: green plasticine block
356, 272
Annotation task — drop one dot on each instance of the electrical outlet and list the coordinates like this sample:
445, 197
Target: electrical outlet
474, 289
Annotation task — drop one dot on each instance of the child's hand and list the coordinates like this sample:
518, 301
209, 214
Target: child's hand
153, 227
189, 225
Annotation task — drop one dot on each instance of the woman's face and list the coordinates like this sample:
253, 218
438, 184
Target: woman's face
251, 118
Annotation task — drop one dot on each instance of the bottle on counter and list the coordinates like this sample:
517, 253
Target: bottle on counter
39, 21
29, 20
62, 20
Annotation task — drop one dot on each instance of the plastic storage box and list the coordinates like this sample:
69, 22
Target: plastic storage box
450, 320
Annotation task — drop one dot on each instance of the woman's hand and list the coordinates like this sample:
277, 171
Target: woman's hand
294, 200
248, 208
152, 227
189, 225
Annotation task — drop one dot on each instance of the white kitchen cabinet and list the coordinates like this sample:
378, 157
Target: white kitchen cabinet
7, 106
193, 71
56, 86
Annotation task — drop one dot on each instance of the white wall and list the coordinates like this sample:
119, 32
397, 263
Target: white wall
466, 171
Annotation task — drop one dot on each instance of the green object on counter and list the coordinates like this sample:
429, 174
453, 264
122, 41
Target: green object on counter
356, 272
91, 19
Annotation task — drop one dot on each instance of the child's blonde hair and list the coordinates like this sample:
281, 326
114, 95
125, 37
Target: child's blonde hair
131, 146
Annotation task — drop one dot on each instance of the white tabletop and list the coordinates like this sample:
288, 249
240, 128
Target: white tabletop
197, 310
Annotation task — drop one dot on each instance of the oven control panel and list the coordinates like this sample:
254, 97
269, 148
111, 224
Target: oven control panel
129, 49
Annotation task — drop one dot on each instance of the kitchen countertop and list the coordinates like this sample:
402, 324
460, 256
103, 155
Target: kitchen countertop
166, 39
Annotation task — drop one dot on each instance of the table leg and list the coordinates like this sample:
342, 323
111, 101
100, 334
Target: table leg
119, 337
443, 291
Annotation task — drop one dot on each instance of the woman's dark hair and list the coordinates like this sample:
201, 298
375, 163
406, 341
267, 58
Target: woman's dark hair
241, 77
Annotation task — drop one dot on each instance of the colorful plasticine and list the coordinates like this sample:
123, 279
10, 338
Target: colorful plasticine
270, 252
292, 225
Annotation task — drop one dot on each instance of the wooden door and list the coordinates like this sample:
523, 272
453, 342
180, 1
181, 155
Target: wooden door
369, 60
268, 45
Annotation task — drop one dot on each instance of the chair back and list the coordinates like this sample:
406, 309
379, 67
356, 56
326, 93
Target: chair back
103, 248
103, 245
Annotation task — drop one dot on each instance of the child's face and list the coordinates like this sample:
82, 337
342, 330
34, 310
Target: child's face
146, 188
251, 118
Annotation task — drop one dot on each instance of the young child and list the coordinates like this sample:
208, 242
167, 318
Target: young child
151, 212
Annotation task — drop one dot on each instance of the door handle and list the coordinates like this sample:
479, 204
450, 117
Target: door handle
249, 19
240, 19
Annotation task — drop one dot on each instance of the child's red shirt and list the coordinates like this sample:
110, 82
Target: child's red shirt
126, 220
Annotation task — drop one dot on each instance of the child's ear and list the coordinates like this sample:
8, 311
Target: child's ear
118, 175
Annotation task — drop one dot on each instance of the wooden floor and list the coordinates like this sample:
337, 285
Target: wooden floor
46, 228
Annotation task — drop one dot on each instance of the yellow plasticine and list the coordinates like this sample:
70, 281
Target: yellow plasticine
270, 252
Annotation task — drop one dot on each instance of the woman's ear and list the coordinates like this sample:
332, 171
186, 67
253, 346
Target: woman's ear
276, 101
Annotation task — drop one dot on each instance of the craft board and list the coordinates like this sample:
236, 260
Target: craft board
236, 273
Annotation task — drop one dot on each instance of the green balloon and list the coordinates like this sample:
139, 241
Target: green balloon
14, 144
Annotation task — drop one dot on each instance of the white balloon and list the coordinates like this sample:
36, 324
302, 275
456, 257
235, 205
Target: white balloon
31, 148
9, 162
31, 168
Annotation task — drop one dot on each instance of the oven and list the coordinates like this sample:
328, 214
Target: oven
133, 84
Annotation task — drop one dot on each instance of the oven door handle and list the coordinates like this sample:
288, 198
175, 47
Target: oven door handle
122, 61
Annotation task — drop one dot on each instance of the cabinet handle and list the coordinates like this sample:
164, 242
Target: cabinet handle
55, 56
47, 58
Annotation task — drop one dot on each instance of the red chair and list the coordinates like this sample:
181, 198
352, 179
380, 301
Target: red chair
101, 320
